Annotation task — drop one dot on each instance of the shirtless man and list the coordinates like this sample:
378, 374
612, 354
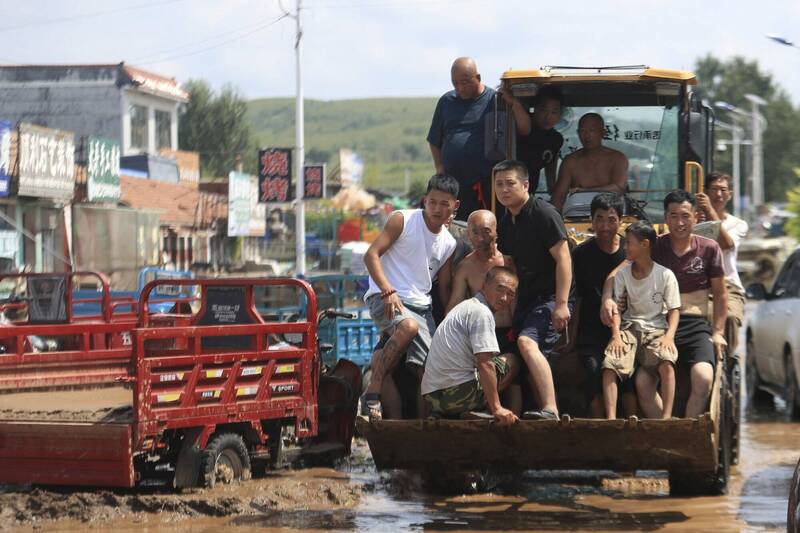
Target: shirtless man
592, 168
471, 271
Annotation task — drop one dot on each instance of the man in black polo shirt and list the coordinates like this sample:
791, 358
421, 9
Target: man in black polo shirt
540, 149
533, 234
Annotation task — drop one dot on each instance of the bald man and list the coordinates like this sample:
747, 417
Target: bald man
456, 136
592, 168
471, 272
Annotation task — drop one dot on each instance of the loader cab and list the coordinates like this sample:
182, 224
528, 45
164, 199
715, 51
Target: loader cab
650, 115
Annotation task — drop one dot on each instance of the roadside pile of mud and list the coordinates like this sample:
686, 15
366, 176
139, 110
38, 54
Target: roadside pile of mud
316, 489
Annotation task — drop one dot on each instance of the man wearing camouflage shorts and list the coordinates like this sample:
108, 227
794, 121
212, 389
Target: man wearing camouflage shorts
464, 345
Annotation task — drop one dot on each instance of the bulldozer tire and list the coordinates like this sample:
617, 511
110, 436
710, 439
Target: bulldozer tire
714, 483
225, 460
735, 411
791, 389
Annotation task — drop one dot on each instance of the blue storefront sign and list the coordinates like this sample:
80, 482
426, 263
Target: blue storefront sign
5, 156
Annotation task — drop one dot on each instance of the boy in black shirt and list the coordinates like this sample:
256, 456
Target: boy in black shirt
533, 234
593, 260
541, 147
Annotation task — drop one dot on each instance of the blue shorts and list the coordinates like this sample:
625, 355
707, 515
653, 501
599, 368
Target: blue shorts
536, 323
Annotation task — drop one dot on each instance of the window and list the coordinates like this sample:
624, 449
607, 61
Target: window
648, 136
787, 284
163, 130
138, 114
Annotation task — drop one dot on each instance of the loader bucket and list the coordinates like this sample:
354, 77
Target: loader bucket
678, 444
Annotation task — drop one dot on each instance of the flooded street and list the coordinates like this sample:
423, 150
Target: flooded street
383, 502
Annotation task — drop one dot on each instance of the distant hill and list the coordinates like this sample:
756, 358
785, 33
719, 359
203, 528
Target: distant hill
388, 133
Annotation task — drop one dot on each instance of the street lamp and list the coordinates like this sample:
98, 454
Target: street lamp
759, 124
736, 133
780, 40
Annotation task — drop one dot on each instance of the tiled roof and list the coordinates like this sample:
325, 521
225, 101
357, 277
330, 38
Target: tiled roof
121, 73
179, 204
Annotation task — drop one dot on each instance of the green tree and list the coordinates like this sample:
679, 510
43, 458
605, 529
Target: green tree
793, 206
215, 125
729, 81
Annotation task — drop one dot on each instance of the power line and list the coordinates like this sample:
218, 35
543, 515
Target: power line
384, 3
155, 55
223, 43
81, 16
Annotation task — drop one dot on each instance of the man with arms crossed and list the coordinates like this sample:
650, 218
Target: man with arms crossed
533, 234
697, 264
465, 342
592, 168
412, 249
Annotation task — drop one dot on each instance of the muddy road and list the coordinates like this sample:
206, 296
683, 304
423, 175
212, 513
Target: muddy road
354, 497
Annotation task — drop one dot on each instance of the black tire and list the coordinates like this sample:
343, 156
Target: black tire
735, 411
757, 398
716, 483
225, 460
275, 447
791, 394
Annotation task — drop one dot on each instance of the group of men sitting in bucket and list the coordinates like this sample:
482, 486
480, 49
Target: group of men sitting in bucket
512, 299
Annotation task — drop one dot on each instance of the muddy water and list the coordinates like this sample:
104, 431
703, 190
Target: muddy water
355, 497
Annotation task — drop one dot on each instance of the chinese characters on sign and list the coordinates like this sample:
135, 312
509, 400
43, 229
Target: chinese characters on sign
314, 176
102, 169
275, 175
612, 133
5, 156
246, 216
46, 162
642, 135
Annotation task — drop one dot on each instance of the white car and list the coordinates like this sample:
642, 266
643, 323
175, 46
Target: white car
773, 337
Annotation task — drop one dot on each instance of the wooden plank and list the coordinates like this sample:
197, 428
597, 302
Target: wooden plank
685, 444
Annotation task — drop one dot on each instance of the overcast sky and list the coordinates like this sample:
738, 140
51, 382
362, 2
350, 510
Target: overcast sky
370, 48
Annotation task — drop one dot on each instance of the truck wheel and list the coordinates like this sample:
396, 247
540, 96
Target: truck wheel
225, 460
791, 396
275, 448
715, 483
735, 411
756, 396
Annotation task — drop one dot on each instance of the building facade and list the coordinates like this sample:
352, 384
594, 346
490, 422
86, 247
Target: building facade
136, 108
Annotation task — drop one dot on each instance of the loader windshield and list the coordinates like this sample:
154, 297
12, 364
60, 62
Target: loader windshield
648, 136
641, 121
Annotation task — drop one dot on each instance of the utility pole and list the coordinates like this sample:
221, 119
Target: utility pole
737, 170
759, 123
299, 150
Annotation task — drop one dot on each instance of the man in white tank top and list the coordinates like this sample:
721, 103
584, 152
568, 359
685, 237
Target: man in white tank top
413, 248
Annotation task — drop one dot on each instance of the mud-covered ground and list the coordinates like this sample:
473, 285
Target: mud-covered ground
303, 490
354, 497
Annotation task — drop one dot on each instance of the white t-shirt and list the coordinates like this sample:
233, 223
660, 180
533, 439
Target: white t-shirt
649, 299
413, 260
467, 330
737, 229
